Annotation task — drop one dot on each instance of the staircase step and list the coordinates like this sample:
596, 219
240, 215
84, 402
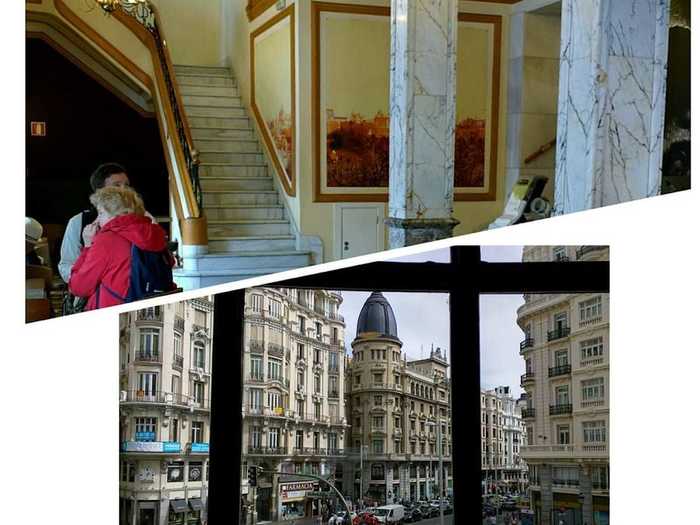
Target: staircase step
237, 198
207, 91
222, 134
190, 280
211, 101
245, 212
248, 260
210, 71
227, 170
228, 146
250, 243
238, 159
236, 183
205, 81
246, 228
219, 123
208, 111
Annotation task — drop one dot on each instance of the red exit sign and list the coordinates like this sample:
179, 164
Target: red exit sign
38, 129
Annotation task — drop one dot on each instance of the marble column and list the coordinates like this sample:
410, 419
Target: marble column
612, 95
533, 83
422, 110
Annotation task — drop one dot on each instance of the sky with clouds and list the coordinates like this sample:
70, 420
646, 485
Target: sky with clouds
423, 321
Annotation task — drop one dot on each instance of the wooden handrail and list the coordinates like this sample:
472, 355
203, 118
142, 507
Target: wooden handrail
154, 39
541, 151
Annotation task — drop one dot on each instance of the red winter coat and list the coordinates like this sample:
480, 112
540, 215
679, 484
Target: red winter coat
108, 260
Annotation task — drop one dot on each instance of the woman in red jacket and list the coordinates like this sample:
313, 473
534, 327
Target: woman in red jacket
102, 272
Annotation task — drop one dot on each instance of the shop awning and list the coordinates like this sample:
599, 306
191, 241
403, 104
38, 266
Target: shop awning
195, 504
178, 505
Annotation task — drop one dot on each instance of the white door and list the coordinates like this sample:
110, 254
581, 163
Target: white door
360, 229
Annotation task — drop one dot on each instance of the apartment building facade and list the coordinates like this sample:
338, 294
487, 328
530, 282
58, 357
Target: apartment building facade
165, 381
398, 411
502, 436
294, 410
566, 352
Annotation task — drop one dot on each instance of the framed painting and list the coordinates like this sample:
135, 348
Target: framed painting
351, 79
272, 98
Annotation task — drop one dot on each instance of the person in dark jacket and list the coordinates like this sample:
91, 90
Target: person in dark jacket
103, 269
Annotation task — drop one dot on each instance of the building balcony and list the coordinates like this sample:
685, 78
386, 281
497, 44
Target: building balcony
279, 381
178, 361
267, 451
163, 398
154, 313
528, 413
275, 350
560, 370
336, 420
147, 357
333, 368
528, 342
527, 378
179, 324
256, 346
199, 328
585, 250
333, 394
558, 333
256, 379
560, 409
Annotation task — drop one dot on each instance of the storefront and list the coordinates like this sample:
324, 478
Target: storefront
294, 503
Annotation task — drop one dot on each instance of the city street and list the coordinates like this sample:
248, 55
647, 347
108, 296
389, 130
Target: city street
449, 520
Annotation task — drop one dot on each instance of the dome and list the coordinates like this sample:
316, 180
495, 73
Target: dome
377, 318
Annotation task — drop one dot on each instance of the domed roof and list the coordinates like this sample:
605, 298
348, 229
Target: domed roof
377, 318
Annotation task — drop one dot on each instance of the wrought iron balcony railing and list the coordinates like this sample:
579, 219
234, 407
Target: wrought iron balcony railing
528, 413
558, 333
527, 378
560, 409
148, 357
559, 370
528, 342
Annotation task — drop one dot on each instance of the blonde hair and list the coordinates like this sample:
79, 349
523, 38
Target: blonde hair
118, 201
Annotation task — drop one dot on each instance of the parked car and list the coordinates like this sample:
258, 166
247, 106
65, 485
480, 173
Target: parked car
389, 514
429, 511
412, 514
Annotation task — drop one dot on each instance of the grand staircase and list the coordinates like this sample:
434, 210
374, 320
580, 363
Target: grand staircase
249, 233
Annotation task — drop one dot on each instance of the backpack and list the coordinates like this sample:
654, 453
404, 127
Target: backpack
151, 274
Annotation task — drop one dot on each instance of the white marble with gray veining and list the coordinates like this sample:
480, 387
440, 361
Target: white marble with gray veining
422, 108
612, 92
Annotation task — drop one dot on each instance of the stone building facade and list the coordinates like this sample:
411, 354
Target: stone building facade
396, 409
164, 382
567, 382
502, 433
293, 404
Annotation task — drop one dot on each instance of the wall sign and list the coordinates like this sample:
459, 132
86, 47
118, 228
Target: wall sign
38, 129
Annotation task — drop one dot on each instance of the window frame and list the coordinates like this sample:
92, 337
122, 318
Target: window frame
485, 278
